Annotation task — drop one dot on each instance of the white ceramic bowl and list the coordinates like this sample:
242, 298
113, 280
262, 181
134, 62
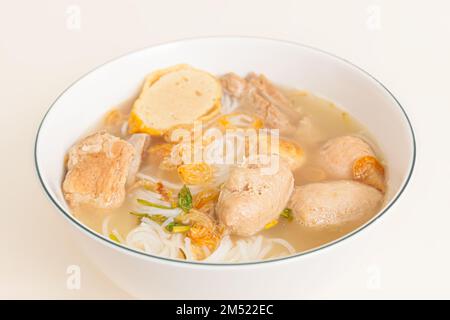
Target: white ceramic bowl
82, 105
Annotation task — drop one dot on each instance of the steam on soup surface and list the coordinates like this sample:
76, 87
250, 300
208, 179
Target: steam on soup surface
224, 169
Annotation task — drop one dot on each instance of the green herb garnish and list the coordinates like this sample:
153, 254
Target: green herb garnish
177, 228
185, 199
158, 218
287, 213
151, 204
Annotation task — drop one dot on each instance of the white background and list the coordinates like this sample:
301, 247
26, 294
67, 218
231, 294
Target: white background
405, 44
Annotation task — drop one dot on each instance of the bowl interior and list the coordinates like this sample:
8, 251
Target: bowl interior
84, 103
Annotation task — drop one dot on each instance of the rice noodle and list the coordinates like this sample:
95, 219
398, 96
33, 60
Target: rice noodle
124, 129
150, 237
105, 224
188, 249
285, 244
153, 238
153, 198
168, 184
119, 237
166, 223
252, 249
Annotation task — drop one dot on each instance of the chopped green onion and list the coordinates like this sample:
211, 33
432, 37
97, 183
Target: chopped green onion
177, 228
169, 226
158, 218
113, 237
287, 213
185, 199
180, 229
151, 204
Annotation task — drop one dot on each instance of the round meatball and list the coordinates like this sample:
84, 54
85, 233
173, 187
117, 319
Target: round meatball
250, 198
339, 154
333, 203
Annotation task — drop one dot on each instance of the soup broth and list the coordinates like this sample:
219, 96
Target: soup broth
319, 121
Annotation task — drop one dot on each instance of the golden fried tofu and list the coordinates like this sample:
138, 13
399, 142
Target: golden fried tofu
98, 167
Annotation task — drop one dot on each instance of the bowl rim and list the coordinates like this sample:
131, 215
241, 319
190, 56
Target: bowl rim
141, 254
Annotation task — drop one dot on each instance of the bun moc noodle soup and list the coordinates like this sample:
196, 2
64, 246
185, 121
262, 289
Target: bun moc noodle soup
224, 168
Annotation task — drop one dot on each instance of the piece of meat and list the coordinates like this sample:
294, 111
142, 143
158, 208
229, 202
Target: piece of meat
233, 85
140, 142
97, 171
339, 154
262, 98
272, 116
268, 90
250, 199
333, 203
279, 111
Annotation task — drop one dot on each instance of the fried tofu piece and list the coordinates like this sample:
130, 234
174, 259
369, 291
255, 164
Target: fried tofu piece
140, 142
98, 167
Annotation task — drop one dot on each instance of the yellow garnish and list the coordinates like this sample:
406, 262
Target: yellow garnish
196, 173
239, 120
258, 124
204, 231
180, 229
114, 238
204, 197
369, 170
271, 224
287, 213
136, 125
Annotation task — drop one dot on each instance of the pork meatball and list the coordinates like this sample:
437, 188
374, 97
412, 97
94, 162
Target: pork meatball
333, 203
339, 154
249, 199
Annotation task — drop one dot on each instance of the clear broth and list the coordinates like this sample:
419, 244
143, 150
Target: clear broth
328, 120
